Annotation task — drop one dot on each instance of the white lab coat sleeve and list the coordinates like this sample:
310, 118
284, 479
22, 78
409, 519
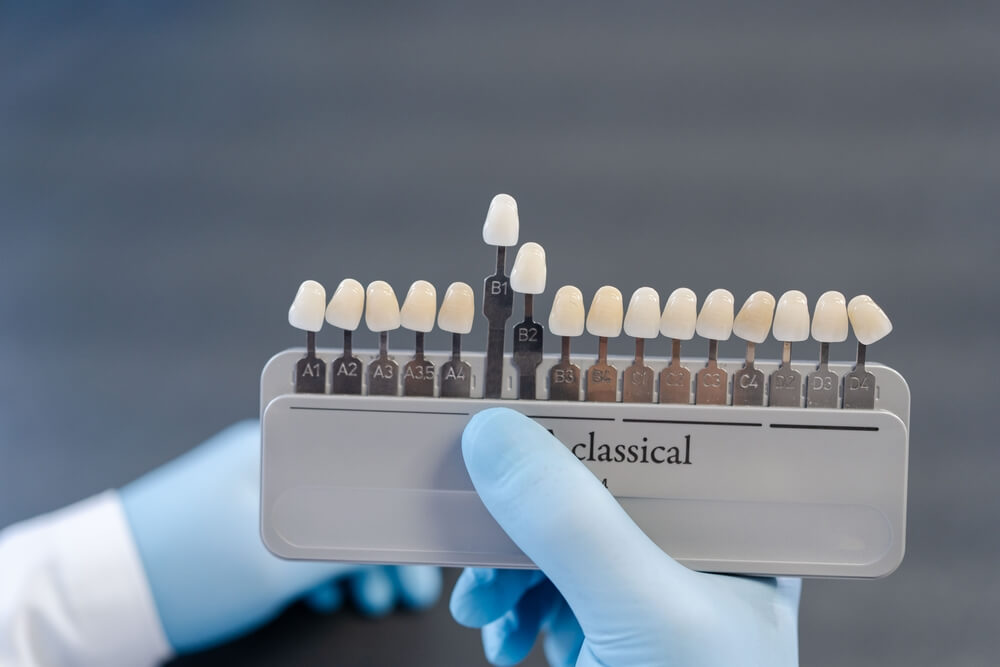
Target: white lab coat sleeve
73, 591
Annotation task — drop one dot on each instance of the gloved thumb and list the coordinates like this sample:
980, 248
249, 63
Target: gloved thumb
563, 518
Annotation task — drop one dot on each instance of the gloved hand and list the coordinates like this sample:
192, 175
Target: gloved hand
196, 523
605, 595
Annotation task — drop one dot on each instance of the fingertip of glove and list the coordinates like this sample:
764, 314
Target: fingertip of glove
420, 585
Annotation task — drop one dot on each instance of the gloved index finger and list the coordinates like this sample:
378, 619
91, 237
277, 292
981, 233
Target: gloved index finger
564, 519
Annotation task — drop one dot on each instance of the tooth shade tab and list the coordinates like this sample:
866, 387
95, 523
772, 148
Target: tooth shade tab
715, 321
680, 315
753, 322
829, 322
347, 305
502, 225
382, 311
567, 316
419, 307
791, 317
606, 310
528, 274
642, 320
306, 311
869, 321
458, 308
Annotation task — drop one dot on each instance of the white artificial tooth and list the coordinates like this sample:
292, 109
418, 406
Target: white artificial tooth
419, 307
528, 273
458, 308
642, 320
829, 323
791, 317
306, 311
715, 321
605, 316
680, 314
753, 322
567, 315
501, 226
869, 321
382, 311
347, 305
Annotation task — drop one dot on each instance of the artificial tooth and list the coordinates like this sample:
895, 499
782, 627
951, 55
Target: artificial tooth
870, 324
829, 325
791, 325
417, 314
604, 321
528, 278
306, 313
501, 230
382, 316
752, 324
457, 311
642, 321
715, 322
678, 322
347, 305
566, 319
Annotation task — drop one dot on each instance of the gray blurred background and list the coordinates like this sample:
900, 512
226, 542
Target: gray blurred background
169, 173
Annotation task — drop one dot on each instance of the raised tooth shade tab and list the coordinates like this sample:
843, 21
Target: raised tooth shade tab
829, 322
791, 318
567, 316
869, 321
680, 315
606, 311
752, 324
715, 321
347, 305
382, 312
458, 309
502, 225
419, 308
528, 273
642, 320
306, 311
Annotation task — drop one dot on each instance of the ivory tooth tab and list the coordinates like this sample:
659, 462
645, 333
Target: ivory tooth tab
606, 310
753, 322
642, 320
567, 316
419, 308
528, 274
869, 321
829, 322
458, 309
791, 317
382, 311
680, 315
347, 305
306, 311
715, 321
502, 224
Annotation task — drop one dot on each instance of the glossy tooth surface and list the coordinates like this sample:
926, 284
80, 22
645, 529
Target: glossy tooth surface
382, 311
419, 307
715, 321
869, 321
567, 316
306, 311
680, 315
642, 320
605, 316
791, 317
347, 305
830, 318
501, 226
458, 308
528, 273
753, 322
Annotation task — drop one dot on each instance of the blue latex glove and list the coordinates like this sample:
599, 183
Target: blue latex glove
196, 523
605, 595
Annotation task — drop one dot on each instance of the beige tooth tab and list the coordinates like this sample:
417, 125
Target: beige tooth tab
528, 274
829, 323
642, 320
605, 316
347, 305
306, 311
870, 322
382, 311
567, 315
419, 307
501, 226
753, 322
791, 318
680, 315
715, 321
458, 308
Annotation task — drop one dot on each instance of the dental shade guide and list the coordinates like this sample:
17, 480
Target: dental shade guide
678, 323
752, 324
791, 325
566, 320
455, 316
382, 316
501, 230
346, 307
306, 313
715, 322
417, 314
604, 320
642, 321
829, 325
527, 277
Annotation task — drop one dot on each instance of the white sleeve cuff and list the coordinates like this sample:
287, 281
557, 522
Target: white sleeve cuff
73, 591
